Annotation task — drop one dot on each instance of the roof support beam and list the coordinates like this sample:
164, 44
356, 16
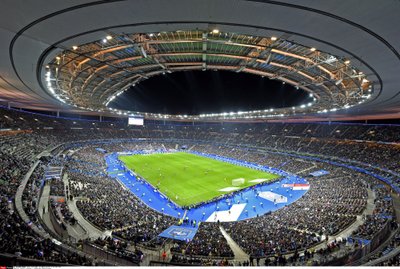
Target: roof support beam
204, 56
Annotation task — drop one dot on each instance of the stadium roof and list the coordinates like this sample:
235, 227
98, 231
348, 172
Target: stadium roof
58, 55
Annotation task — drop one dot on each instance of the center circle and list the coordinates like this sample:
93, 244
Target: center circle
199, 92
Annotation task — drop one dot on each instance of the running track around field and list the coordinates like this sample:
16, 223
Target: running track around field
243, 205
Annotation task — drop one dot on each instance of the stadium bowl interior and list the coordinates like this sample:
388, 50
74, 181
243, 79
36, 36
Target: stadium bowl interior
203, 133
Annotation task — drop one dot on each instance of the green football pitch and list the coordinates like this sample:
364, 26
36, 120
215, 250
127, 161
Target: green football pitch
189, 179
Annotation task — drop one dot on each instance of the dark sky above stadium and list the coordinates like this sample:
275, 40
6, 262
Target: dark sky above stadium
198, 92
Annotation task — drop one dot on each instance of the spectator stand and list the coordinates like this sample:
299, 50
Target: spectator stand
376, 159
58, 245
38, 228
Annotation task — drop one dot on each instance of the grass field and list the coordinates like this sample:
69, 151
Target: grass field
189, 179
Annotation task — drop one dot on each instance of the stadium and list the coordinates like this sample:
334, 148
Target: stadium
199, 133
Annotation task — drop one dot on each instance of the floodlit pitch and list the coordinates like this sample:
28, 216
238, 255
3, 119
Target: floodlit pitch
189, 179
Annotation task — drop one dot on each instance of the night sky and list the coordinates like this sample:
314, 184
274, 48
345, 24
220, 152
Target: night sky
198, 92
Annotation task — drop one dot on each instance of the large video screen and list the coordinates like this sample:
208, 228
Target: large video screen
135, 121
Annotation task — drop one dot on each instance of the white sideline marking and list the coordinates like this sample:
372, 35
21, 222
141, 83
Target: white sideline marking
229, 189
258, 180
227, 215
273, 197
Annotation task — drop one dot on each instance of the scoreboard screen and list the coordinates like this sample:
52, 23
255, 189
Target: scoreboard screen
135, 121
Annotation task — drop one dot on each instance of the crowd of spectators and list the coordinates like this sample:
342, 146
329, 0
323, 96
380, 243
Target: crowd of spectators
109, 206
119, 247
395, 261
381, 215
331, 205
62, 212
31, 193
56, 187
387, 250
208, 241
198, 261
16, 236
